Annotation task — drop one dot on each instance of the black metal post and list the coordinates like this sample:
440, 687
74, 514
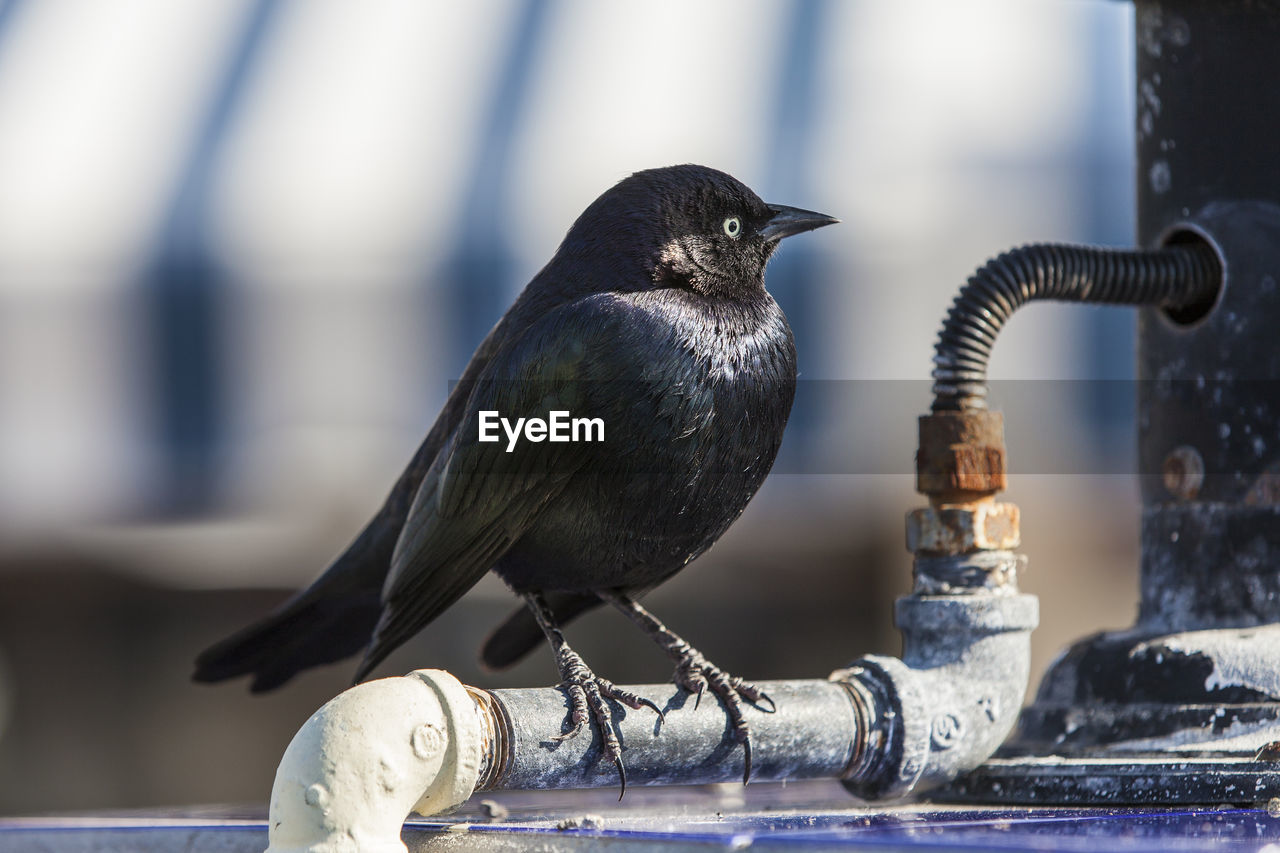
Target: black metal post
1209, 396
1185, 705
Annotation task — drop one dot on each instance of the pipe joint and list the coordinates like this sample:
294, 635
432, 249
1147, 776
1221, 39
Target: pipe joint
371, 755
953, 698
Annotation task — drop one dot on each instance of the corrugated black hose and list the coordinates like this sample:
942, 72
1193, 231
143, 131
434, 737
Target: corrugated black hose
1182, 277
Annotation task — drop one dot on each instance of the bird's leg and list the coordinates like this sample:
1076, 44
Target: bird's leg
587, 691
696, 674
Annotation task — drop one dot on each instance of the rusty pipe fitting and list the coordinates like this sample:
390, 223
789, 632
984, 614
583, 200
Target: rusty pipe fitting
983, 525
961, 456
960, 467
954, 696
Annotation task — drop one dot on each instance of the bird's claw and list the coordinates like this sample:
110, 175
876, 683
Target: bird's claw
632, 700
588, 694
653, 706
578, 714
755, 695
622, 776
696, 675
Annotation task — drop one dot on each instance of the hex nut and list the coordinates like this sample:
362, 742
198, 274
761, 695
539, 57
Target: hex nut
961, 453
981, 526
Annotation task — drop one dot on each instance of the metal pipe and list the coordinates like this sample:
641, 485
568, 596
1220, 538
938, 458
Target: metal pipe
1176, 277
817, 732
887, 727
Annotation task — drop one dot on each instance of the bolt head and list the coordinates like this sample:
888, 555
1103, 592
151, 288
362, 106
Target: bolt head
1183, 472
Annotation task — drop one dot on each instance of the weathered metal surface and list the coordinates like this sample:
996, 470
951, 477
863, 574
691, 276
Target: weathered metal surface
960, 466
961, 455
1209, 389
1132, 693
812, 735
961, 574
981, 525
1226, 666
953, 697
1209, 565
1127, 780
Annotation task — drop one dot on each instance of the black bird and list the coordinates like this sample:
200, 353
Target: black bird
653, 317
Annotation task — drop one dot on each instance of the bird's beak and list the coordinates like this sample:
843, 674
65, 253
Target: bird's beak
792, 220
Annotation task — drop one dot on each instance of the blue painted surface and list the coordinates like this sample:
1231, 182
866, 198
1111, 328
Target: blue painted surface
820, 815
1131, 830
670, 826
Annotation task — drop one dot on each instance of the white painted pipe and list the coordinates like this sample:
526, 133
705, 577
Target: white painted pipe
368, 757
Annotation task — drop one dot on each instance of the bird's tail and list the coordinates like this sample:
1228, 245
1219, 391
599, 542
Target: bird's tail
520, 634
330, 620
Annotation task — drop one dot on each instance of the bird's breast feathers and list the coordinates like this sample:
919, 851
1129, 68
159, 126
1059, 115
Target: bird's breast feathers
722, 339
717, 375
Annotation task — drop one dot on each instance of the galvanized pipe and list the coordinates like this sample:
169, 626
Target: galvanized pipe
818, 731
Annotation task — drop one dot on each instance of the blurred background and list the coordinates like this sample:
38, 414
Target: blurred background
246, 244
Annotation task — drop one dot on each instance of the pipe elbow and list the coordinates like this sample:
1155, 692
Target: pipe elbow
953, 698
368, 757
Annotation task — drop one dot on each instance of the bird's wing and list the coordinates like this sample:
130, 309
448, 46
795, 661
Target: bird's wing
478, 498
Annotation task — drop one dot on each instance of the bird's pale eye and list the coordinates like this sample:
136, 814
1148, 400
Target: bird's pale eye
733, 227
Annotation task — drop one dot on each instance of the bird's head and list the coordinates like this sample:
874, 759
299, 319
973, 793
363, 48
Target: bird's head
693, 227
